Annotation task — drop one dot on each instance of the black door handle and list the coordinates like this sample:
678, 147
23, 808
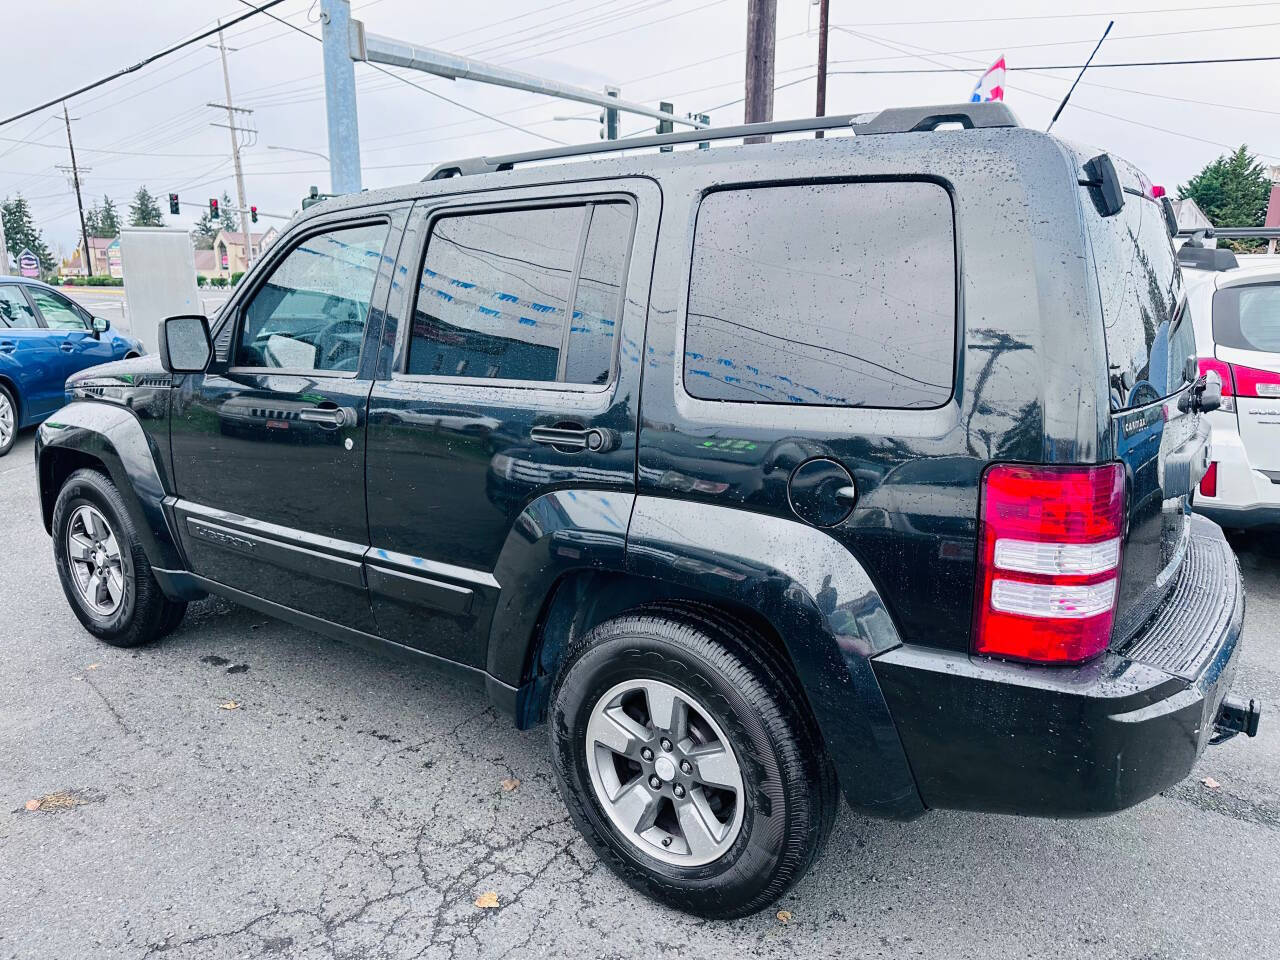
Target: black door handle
563, 438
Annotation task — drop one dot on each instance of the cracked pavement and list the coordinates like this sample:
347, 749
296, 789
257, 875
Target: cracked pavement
354, 807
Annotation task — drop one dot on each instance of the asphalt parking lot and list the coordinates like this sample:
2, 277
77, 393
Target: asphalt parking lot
248, 789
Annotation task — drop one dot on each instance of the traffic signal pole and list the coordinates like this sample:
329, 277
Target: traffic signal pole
340, 97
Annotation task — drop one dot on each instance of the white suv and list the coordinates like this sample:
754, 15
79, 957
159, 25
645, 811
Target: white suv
1236, 313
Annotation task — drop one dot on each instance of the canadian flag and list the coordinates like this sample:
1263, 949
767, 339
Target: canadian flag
991, 85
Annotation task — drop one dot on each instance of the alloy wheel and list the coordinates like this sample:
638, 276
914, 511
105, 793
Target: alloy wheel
664, 772
6, 420
93, 554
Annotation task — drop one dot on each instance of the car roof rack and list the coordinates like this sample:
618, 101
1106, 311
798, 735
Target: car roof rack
894, 120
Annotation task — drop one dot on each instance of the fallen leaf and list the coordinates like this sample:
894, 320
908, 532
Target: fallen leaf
487, 900
61, 800
92, 666
229, 705
510, 784
1211, 783
784, 916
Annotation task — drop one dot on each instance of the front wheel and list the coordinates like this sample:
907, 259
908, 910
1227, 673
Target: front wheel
688, 760
8, 420
102, 566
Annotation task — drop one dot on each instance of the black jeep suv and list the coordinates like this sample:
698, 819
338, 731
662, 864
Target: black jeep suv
764, 473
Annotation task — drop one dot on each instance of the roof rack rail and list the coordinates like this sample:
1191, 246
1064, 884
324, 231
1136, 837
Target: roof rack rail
893, 120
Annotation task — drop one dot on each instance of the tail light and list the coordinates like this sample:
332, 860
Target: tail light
1049, 559
1251, 382
1209, 482
1223, 370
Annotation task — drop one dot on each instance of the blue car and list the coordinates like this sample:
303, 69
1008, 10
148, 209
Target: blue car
45, 338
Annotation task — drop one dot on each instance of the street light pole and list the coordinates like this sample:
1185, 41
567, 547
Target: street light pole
314, 153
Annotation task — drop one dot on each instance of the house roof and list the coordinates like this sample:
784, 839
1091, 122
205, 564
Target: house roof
205, 260
236, 238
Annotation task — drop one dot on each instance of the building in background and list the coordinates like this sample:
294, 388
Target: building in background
106, 259
229, 254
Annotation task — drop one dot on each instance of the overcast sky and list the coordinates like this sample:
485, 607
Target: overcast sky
154, 128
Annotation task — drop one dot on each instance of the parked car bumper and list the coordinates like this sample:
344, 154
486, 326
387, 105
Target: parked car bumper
1245, 497
1081, 741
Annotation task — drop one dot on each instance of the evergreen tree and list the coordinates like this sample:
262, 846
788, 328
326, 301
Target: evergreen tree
93, 221
1232, 191
21, 234
145, 211
207, 227
108, 219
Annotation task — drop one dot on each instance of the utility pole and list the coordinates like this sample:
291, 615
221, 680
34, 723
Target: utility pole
235, 149
340, 97
822, 62
762, 17
75, 180
5, 269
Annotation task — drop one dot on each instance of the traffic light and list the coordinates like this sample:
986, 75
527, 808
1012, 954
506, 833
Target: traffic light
253, 214
173, 204
665, 126
213, 207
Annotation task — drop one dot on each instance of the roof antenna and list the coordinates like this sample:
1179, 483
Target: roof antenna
1058, 112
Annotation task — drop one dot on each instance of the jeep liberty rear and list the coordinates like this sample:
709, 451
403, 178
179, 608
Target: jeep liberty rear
762, 474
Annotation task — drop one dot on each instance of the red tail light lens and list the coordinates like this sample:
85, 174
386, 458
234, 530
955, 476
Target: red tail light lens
1209, 482
1251, 382
1223, 370
1049, 559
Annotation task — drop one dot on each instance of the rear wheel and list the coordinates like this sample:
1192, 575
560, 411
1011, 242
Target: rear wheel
688, 762
104, 571
8, 420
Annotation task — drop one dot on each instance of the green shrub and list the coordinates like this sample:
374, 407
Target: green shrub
217, 281
235, 277
201, 281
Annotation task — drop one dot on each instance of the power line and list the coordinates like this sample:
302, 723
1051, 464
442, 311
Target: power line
142, 63
1056, 16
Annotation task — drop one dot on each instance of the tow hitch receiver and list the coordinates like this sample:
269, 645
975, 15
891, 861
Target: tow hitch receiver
1236, 716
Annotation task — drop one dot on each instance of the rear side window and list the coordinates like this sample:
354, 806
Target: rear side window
14, 309
528, 294
1148, 333
1248, 318
839, 294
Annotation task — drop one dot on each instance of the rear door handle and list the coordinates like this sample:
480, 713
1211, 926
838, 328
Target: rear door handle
327, 416
67, 346
566, 438
7, 346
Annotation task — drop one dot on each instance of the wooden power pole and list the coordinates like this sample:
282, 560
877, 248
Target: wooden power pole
821, 105
75, 180
762, 18
232, 110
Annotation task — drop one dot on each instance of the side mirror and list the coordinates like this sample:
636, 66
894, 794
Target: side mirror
100, 326
185, 344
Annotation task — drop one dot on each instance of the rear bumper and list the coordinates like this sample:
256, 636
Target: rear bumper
1246, 497
1074, 742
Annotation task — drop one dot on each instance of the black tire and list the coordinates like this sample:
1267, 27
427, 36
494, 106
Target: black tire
6, 444
791, 795
144, 612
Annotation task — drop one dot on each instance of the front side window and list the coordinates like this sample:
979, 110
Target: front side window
311, 312
527, 294
15, 312
839, 294
1248, 318
58, 313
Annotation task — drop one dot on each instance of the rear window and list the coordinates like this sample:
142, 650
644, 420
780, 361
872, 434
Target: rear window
1148, 332
1248, 317
840, 294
